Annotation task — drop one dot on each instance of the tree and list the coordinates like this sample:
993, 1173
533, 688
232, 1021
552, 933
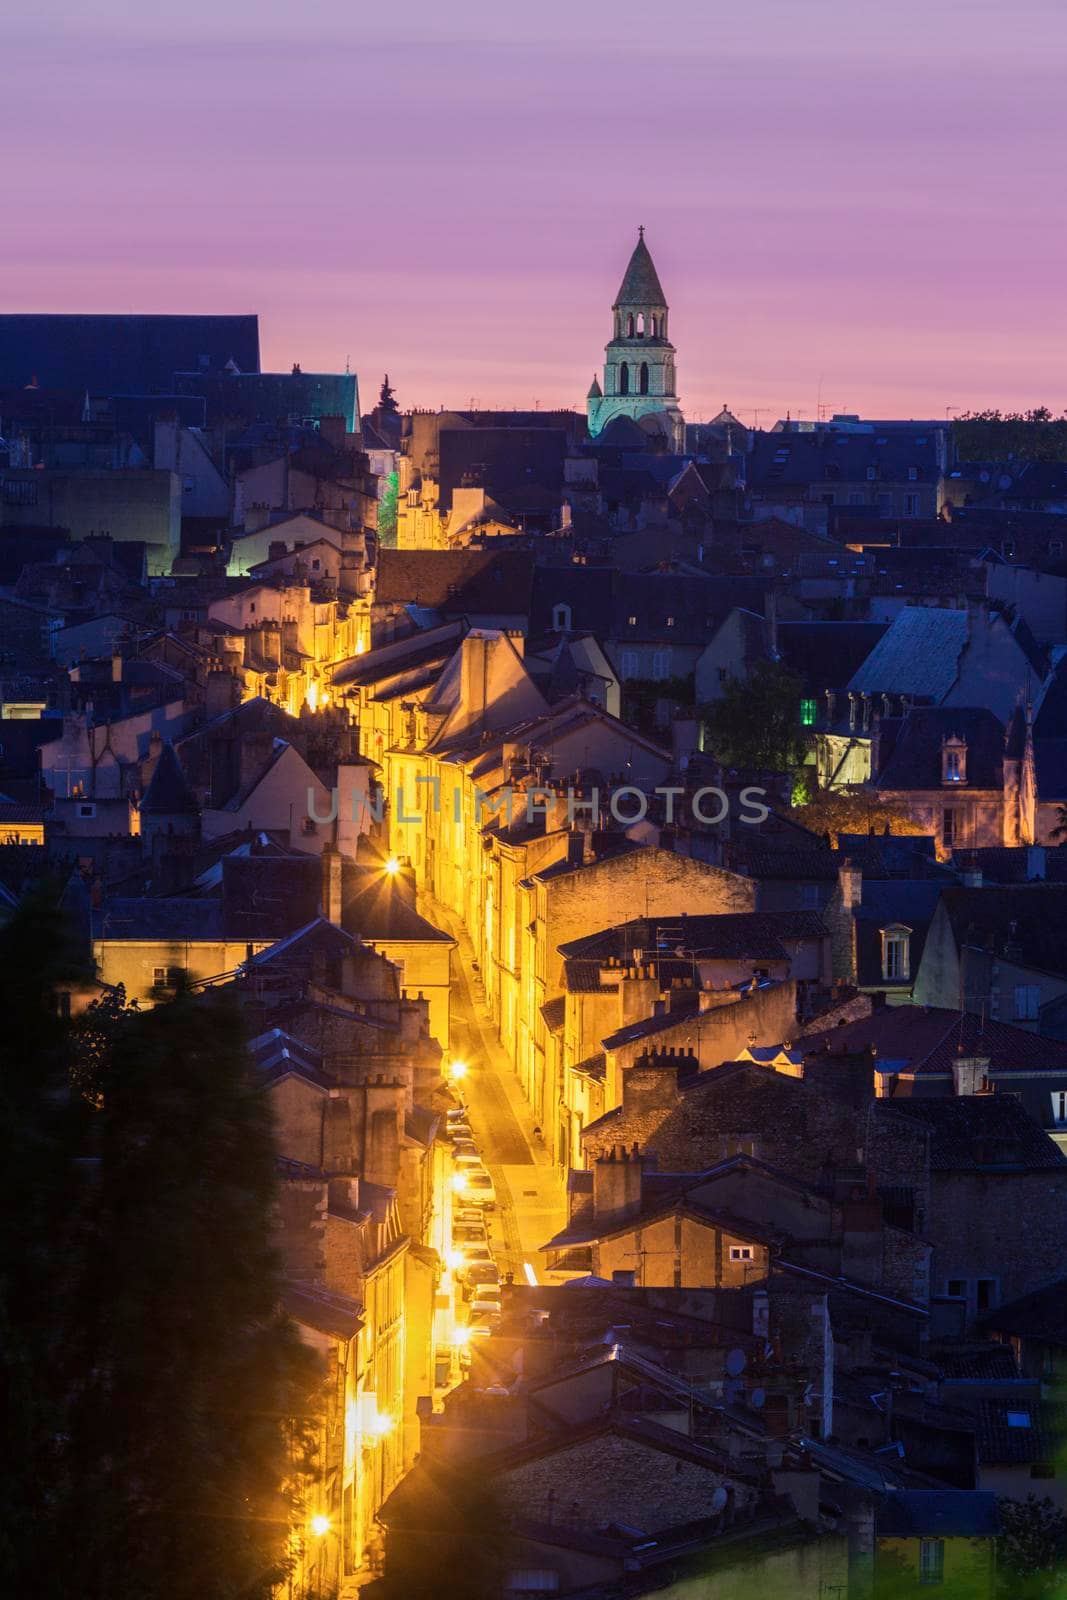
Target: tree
153, 1378
756, 722
836, 811
1034, 435
1032, 1556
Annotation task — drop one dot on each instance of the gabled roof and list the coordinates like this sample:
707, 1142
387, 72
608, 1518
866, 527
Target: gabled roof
1040, 1315
640, 284
1026, 924
927, 1040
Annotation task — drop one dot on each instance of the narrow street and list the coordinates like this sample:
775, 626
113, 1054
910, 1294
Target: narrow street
531, 1201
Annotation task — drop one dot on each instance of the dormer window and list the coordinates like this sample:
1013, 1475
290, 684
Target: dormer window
561, 618
954, 760
896, 953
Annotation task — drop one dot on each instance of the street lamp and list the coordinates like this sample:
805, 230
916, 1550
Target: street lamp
320, 1525
457, 1071
392, 866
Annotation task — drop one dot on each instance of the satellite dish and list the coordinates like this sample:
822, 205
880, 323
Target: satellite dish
758, 1399
735, 1363
718, 1501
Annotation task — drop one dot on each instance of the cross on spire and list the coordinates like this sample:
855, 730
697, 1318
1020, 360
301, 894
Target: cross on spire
641, 231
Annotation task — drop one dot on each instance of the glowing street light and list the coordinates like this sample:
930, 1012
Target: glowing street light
392, 866
459, 1182
454, 1259
457, 1071
379, 1423
461, 1338
320, 1525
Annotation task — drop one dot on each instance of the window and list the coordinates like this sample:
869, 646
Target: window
533, 1580
913, 474
1027, 1000
956, 1288
911, 505
628, 664
632, 622
561, 618
316, 564
723, 674
884, 504
810, 898
20, 492
1059, 1105
1018, 1419
86, 809
741, 1252
986, 1295
948, 827
931, 1560
807, 713
896, 953
643, 381
661, 665
1055, 547
159, 974
953, 760
872, 473
624, 379
855, 498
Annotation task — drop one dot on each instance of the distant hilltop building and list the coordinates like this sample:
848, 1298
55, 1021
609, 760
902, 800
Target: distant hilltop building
639, 373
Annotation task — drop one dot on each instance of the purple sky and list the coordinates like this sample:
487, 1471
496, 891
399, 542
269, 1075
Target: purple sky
854, 200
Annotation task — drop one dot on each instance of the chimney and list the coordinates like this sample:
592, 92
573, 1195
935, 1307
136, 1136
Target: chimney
969, 1074
850, 878
384, 1118
220, 693
617, 1184
256, 749
1035, 862
332, 430
474, 678
331, 884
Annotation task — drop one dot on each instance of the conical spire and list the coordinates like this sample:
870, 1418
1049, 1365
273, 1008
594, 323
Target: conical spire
640, 285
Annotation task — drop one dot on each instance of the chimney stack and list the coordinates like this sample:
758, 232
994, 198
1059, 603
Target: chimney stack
331, 884
617, 1184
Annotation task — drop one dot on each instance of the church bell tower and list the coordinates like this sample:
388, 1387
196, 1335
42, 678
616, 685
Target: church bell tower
639, 375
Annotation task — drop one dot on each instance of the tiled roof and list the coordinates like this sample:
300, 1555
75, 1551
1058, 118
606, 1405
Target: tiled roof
553, 1012
927, 1039
1017, 1431
980, 1133
640, 284
1040, 1315
735, 935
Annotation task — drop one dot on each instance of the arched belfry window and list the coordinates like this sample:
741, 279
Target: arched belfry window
640, 324
630, 326
644, 377
624, 379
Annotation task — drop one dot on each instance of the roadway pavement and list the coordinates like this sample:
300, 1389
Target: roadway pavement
531, 1199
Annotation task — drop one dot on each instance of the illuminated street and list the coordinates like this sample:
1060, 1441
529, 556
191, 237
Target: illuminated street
531, 1201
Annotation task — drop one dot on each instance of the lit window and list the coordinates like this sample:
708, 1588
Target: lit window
807, 713
632, 621
670, 622
741, 1252
1018, 1419
931, 1560
1059, 1105
953, 761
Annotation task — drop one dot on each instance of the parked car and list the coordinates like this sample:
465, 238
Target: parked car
473, 1255
479, 1189
469, 1233
461, 1131
484, 1316
467, 1160
484, 1273
462, 1213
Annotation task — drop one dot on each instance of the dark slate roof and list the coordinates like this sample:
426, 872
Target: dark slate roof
981, 1133
910, 748
455, 582
377, 907
907, 902
640, 284
919, 654
168, 793
939, 1514
121, 354
829, 456
1015, 864
274, 396
553, 1012
1040, 1315
826, 654
1026, 924
332, 1314
588, 591
502, 460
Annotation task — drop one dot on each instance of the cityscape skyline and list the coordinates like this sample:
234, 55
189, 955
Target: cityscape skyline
834, 212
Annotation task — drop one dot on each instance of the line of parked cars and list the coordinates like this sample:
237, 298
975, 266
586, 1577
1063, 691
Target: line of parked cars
473, 1198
